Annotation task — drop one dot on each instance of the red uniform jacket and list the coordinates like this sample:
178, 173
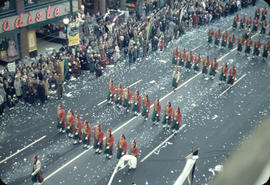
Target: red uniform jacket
62, 115
79, 129
124, 146
157, 108
236, 18
198, 60
147, 103
256, 22
178, 119
88, 131
257, 44
168, 112
233, 72
110, 140
112, 89
243, 20
249, 43
138, 99
183, 55
214, 64
71, 121
100, 135
249, 21
224, 70
218, 34
134, 151
206, 62
190, 57
225, 36
232, 38
120, 94
241, 41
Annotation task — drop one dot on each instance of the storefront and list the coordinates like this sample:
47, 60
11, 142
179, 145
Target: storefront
37, 20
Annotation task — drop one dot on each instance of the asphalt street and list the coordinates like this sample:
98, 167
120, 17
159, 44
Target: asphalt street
215, 124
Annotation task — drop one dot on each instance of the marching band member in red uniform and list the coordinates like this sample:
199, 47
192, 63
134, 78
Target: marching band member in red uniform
109, 144
232, 75
197, 63
133, 148
223, 74
98, 138
264, 27
249, 43
249, 23
235, 21
61, 119
156, 112
231, 41
127, 99
206, 63
70, 121
177, 116
78, 130
137, 103
86, 134
211, 35
118, 95
110, 96
175, 55
176, 77
146, 107
167, 115
182, 58
264, 13
213, 68
121, 146
217, 37
189, 60
257, 13
256, 23
257, 46
240, 43
224, 39
243, 22
266, 49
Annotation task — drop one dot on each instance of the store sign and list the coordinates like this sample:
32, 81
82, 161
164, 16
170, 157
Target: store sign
32, 17
32, 40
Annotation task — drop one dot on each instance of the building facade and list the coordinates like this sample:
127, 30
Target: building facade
23, 21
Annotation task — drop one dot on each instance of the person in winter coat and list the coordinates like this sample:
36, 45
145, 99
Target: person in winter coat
41, 91
18, 86
108, 150
36, 173
121, 146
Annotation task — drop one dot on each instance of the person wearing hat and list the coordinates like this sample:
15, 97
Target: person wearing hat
156, 111
137, 103
217, 37
177, 116
189, 61
176, 77
213, 68
86, 134
166, 121
70, 121
98, 138
206, 63
240, 43
182, 58
231, 41
121, 146
118, 95
175, 55
36, 173
223, 74
146, 107
127, 99
249, 44
60, 119
108, 150
133, 148
232, 75
78, 129
110, 96
211, 34
197, 63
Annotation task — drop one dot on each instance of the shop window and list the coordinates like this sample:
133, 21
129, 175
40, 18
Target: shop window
7, 6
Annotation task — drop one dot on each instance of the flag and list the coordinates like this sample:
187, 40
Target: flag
148, 31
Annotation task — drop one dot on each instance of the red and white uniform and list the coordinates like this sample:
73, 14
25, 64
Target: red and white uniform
147, 103
134, 148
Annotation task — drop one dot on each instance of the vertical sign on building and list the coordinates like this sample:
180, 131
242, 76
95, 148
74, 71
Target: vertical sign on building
32, 40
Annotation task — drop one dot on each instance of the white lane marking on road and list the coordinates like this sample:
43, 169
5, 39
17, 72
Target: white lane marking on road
66, 164
229, 28
20, 150
243, 76
155, 149
128, 86
164, 61
196, 48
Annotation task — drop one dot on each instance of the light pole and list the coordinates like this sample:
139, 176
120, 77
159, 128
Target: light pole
66, 22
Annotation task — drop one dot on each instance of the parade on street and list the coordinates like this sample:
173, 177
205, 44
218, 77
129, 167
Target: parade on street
146, 92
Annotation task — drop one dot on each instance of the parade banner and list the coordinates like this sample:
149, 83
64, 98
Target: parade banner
188, 171
148, 31
32, 40
73, 36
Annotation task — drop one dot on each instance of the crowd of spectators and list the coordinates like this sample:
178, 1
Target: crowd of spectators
106, 39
